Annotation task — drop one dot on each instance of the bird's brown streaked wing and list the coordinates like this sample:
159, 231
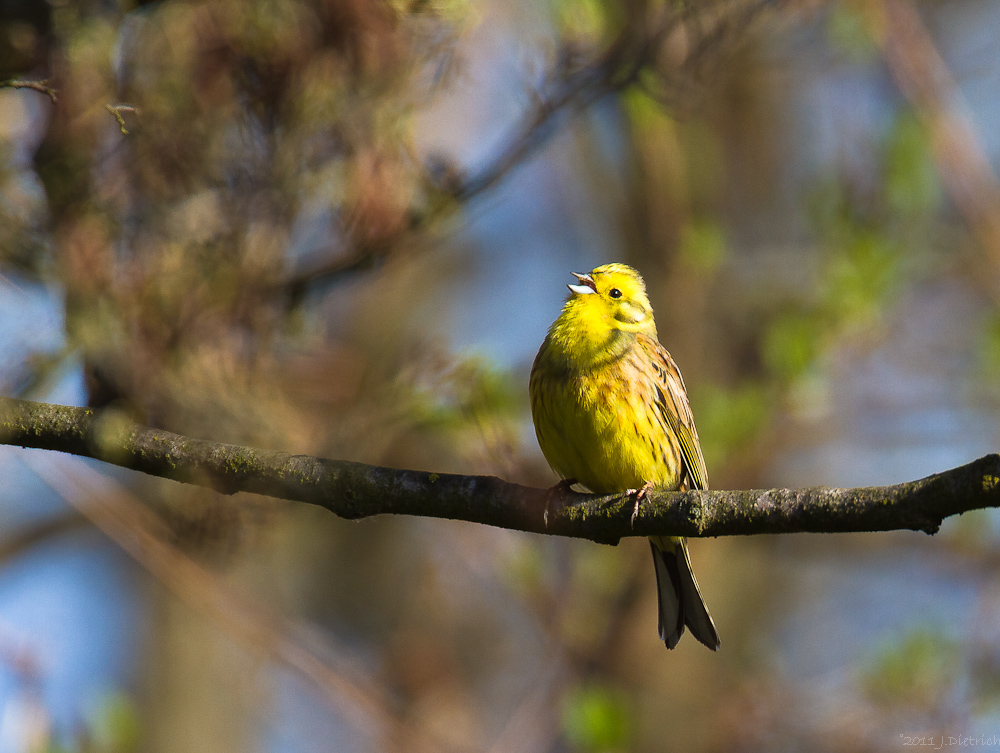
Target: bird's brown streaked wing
672, 402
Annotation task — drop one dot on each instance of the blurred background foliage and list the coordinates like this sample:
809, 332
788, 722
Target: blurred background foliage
341, 227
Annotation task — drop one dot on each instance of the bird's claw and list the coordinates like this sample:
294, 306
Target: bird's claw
640, 494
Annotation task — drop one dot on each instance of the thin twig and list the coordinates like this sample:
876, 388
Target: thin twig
38, 86
117, 111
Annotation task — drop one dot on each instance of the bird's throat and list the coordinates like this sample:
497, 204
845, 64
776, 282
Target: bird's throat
584, 342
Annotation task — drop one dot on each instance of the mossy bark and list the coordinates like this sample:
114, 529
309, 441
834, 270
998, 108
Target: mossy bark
356, 490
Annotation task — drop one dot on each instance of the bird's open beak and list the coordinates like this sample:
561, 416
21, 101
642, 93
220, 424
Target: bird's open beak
586, 288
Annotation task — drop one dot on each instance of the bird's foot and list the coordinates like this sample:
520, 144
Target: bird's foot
640, 494
556, 491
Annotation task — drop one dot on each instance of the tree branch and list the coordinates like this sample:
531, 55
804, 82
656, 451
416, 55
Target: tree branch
575, 83
355, 490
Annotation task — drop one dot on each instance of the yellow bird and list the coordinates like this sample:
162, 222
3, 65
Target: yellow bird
611, 413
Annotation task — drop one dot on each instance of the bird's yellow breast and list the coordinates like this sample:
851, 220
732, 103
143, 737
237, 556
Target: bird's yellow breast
600, 426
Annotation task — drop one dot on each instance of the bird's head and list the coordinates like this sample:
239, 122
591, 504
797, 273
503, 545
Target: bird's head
611, 297
601, 318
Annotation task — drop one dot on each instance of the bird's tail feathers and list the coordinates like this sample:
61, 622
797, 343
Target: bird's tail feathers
678, 596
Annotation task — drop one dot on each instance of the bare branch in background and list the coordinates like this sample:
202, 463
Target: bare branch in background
568, 90
140, 533
41, 86
27, 537
356, 490
117, 110
926, 82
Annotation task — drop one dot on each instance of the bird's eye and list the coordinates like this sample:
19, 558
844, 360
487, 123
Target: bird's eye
615, 293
